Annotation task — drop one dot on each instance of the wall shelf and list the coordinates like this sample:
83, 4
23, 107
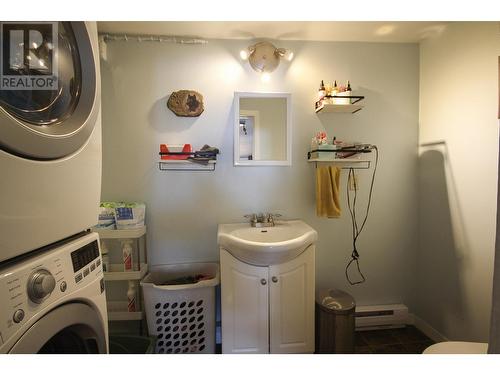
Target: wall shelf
202, 160
352, 160
117, 310
185, 165
116, 273
353, 107
120, 233
344, 163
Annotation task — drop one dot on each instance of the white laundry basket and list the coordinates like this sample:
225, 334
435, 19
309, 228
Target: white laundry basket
182, 317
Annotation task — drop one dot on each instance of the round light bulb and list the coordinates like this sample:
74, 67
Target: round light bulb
244, 54
265, 77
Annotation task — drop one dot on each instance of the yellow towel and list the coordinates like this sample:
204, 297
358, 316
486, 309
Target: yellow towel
327, 191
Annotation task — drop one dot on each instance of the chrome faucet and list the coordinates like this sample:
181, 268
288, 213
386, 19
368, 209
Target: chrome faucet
262, 220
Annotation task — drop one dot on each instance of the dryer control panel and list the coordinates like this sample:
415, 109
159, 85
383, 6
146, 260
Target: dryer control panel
33, 286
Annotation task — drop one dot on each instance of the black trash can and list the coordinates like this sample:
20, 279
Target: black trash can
121, 344
334, 322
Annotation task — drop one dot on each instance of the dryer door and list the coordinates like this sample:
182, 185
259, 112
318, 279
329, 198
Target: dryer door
74, 328
46, 122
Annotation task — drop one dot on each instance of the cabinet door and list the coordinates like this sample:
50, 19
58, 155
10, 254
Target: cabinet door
245, 306
292, 304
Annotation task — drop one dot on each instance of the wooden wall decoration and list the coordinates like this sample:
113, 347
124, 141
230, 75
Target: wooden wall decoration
186, 103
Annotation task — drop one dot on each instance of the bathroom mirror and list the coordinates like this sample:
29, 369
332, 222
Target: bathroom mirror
262, 129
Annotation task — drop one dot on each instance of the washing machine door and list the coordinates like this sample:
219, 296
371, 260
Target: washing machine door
37, 122
74, 328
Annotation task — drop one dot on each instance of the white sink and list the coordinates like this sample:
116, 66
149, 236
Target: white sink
268, 245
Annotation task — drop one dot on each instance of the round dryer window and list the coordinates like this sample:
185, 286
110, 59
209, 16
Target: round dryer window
49, 91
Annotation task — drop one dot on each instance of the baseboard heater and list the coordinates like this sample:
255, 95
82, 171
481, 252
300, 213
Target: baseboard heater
381, 316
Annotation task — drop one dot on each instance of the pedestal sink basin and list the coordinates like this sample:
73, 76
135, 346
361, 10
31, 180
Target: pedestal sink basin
268, 245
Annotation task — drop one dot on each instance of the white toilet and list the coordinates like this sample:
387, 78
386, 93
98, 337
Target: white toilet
457, 347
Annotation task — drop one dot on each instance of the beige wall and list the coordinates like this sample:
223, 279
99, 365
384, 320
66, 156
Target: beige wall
184, 208
458, 178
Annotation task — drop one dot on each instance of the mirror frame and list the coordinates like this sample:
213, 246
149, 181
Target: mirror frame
236, 129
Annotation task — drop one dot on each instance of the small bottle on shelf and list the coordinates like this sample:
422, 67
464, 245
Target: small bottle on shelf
127, 255
335, 89
348, 87
321, 91
131, 294
328, 89
105, 256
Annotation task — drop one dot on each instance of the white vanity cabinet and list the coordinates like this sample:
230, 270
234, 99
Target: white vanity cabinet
268, 309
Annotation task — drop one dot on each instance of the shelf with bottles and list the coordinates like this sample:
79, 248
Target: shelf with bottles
118, 310
120, 233
337, 99
328, 104
120, 241
116, 272
124, 300
124, 260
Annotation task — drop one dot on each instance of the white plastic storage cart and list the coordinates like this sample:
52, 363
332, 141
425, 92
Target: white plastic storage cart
117, 279
181, 316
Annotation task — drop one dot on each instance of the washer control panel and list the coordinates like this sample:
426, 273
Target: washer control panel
85, 260
31, 287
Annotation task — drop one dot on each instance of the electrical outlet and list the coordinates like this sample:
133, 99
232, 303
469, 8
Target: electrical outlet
353, 182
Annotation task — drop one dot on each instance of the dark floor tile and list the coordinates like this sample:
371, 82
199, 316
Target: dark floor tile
359, 340
409, 334
417, 347
378, 337
407, 340
363, 350
389, 349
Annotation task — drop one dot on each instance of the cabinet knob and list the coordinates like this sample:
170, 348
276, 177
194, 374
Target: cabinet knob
274, 279
263, 281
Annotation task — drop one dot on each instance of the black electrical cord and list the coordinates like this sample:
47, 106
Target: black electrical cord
356, 231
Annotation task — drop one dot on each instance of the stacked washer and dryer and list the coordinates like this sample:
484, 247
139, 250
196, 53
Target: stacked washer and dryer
51, 278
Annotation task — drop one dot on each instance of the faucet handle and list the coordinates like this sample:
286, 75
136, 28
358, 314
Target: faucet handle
252, 217
274, 215
271, 217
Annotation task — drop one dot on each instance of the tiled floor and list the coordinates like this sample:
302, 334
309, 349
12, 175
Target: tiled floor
408, 340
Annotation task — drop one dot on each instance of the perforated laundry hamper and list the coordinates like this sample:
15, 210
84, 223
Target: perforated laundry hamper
182, 317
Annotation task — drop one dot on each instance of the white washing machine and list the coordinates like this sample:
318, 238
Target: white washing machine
50, 140
53, 301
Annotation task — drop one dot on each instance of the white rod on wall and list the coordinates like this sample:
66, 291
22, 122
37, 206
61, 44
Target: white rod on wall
150, 38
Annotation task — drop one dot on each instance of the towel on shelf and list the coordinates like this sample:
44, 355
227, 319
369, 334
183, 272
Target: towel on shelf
328, 191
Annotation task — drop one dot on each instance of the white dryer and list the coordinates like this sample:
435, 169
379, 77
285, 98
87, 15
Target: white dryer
50, 140
53, 301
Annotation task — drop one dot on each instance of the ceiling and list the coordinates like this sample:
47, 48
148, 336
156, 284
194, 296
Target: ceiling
394, 32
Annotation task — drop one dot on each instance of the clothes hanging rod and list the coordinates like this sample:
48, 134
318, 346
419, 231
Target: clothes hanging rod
109, 37
435, 143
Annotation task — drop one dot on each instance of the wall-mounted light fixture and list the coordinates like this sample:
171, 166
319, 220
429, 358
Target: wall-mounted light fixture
265, 57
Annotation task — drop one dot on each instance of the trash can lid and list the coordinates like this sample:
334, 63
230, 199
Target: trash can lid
335, 300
